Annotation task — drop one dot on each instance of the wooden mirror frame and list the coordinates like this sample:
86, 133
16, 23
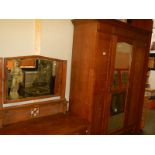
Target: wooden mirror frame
60, 82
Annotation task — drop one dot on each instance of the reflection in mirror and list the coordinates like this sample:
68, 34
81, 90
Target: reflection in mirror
30, 77
119, 85
115, 79
117, 103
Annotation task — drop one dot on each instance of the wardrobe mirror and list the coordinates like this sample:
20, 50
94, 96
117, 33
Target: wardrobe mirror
119, 87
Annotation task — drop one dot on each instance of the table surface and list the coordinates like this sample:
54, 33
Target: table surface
60, 124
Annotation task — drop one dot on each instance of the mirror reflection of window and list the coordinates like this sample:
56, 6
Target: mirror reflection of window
119, 86
123, 55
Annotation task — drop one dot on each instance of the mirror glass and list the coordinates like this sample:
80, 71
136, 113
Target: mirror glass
119, 85
31, 77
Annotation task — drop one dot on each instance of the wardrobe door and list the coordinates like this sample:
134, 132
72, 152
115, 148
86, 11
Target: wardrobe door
137, 86
119, 85
101, 69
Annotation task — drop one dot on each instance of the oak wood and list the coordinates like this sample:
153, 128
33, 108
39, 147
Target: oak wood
63, 80
60, 124
94, 47
142, 23
144, 80
21, 113
14, 114
82, 78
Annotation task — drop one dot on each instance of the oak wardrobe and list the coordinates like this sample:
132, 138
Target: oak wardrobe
109, 66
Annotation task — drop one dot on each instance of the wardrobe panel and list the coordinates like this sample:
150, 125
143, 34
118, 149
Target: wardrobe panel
82, 78
100, 89
137, 85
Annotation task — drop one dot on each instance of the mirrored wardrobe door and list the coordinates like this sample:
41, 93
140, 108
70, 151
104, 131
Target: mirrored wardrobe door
119, 86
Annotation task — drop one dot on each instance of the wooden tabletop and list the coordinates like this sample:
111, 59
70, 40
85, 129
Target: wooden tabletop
60, 124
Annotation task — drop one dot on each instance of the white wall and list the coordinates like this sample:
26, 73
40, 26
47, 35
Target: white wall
16, 37
56, 42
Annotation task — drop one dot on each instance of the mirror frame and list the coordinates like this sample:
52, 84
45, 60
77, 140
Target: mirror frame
60, 81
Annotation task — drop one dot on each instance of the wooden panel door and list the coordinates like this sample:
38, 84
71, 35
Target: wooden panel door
82, 76
137, 85
101, 81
